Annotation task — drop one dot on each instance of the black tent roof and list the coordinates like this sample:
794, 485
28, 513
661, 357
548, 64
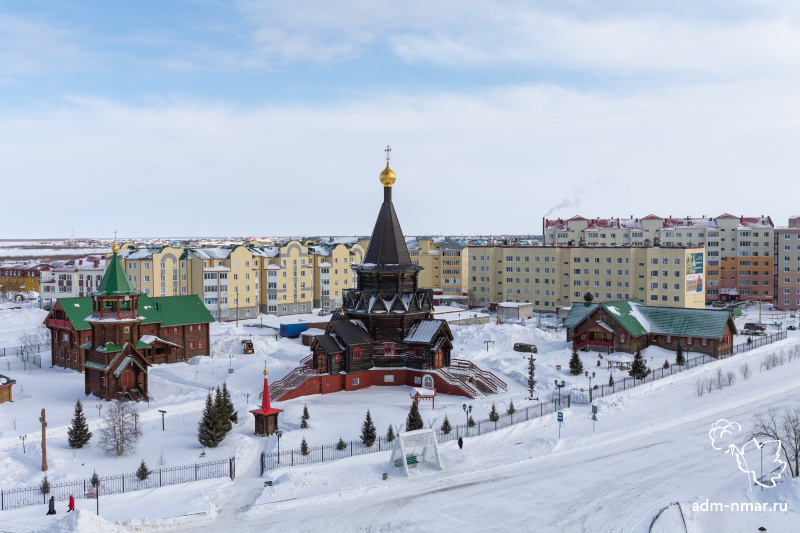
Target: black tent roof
387, 245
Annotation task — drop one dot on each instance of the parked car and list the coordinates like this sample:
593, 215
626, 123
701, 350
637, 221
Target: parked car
523, 347
755, 326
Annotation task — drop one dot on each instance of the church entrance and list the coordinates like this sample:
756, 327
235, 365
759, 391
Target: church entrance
127, 380
438, 359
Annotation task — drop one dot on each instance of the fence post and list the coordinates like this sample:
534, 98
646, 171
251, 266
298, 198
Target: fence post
123, 483
159, 480
479, 427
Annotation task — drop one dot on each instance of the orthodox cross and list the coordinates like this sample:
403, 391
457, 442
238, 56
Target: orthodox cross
388, 152
44, 441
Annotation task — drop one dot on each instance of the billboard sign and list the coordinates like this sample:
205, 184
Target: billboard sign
694, 273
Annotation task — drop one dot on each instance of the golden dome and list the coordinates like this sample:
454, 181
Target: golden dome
387, 176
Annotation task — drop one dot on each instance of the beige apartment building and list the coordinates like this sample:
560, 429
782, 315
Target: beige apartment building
333, 273
235, 282
787, 275
739, 250
558, 276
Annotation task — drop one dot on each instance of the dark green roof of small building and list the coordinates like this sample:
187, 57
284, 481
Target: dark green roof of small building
77, 310
114, 282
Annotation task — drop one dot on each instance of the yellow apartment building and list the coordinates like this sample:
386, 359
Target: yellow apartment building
333, 273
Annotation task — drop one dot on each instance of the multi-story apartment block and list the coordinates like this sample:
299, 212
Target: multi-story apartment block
787, 274
22, 277
73, 278
444, 262
739, 250
556, 276
333, 271
231, 281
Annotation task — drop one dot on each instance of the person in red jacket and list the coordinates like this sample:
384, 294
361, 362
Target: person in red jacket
71, 503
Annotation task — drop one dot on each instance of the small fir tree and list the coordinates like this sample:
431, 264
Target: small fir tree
45, 486
639, 368
611, 380
493, 415
161, 461
142, 472
78, 434
749, 340
679, 359
304, 447
470, 422
209, 430
446, 427
306, 416
233, 416
414, 419
666, 363
341, 445
303, 423
511, 409
368, 433
222, 413
95, 481
575, 364
390, 434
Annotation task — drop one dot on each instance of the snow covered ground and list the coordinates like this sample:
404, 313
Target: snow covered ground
649, 448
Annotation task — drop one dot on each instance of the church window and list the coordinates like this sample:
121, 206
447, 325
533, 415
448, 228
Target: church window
418, 352
388, 349
356, 353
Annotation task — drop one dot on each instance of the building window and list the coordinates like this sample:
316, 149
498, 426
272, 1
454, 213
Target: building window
356, 354
191, 345
355, 381
388, 349
669, 339
336, 358
418, 353
704, 342
199, 344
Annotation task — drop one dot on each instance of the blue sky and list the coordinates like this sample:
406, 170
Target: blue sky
269, 118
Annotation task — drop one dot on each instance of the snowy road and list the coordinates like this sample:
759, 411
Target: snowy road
655, 451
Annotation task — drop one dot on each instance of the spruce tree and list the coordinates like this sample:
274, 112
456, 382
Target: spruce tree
78, 434
390, 434
446, 427
531, 374
639, 368
304, 447
368, 434
414, 419
142, 472
306, 416
611, 380
575, 363
209, 430
511, 409
223, 415
341, 445
303, 423
493, 415
470, 422
233, 416
679, 359
666, 363
95, 481
45, 486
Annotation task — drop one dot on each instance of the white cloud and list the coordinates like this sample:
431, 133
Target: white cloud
32, 48
488, 162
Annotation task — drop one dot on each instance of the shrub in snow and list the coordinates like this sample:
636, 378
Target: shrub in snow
611, 380
78, 434
446, 427
493, 416
719, 380
470, 422
304, 447
709, 385
744, 371
575, 364
368, 434
730, 377
120, 432
783, 426
666, 363
414, 419
306, 416
639, 368
95, 481
511, 409
699, 387
142, 472
45, 486
303, 423
390, 434
679, 359
341, 445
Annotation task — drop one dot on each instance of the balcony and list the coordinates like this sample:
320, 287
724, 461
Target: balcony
115, 314
56, 323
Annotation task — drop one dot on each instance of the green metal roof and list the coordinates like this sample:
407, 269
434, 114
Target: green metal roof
625, 313
109, 347
141, 345
578, 312
703, 323
77, 310
96, 366
180, 310
114, 282
87, 345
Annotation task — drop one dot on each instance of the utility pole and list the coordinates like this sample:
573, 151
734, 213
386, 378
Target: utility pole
44, 442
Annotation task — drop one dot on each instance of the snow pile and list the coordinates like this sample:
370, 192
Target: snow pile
86, 522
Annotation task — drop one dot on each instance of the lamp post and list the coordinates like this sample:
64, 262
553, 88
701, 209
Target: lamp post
22, 438
559, 386
99, 408
162, 418
278, 434
590, 383
467, 411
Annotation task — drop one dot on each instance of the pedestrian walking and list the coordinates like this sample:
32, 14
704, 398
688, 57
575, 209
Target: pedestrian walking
71, 503
460, 443
52, 509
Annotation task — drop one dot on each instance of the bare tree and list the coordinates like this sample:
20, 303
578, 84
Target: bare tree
34, 340
766, 362
120, 432
785, 427
699, 387
720, 379
709, 385
744, 370
730, 377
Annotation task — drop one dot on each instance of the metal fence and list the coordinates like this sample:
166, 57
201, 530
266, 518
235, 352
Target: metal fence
331, 452
585, 396
160, 477
20, 351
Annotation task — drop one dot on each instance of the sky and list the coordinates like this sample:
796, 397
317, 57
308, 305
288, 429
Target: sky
256, 118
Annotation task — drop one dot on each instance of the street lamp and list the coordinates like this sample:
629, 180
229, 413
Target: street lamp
590, 383
559, 387
278, 434
99, 408
467, 411
162, 418
23, 437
